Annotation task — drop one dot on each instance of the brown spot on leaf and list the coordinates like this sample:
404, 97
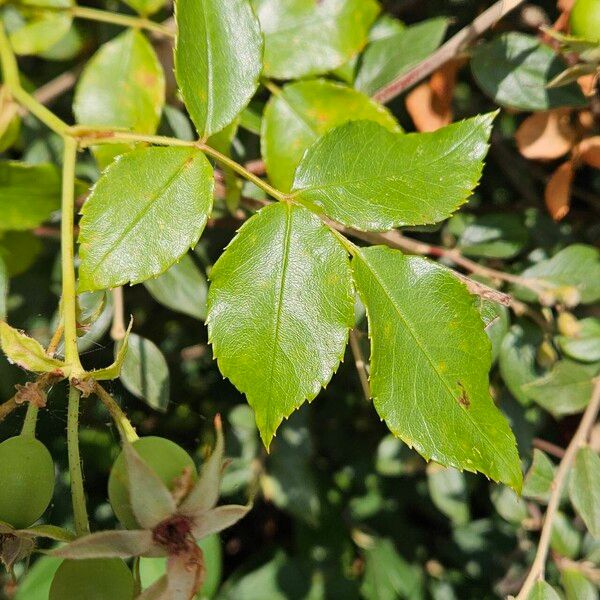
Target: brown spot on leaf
463, 399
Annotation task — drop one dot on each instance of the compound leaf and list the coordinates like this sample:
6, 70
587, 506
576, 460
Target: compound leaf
279, 309
134, 228
430, 359
367, 177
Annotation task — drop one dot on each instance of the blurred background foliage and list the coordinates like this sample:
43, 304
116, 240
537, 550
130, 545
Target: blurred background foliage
342, 509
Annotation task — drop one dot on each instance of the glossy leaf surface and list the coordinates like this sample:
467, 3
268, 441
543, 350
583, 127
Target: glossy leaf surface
217, 60
515, 69
391, 56
300, 113
430, 383
134, 228
122, 86
311, 37
280, 305
364, 176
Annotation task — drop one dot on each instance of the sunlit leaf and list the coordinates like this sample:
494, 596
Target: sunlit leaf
449, 416
367, 177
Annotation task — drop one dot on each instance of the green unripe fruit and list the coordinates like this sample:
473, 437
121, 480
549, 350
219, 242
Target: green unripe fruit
585, 20
92, 579
26, 480
165, 458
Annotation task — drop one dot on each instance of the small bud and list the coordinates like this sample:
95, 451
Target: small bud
569, 296
568, 325
546, 355
547, 298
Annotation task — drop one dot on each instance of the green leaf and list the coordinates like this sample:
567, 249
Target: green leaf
584, 488
19, 250
300, 113
34, 30
145, 7
565, 540
574, 271
182, 288
439, 401
517, 359
514, 69
585, 344
3, 289
41, 33
509, 505
134, 228
492, 235
391, 56
308, 38
279, 311
542, 591
565, 390
29, 194
538, 481
35, 585
114, 369
218, 55
68, 46
388, 576
145, 372
122, 86
367, 177
26, 352
448, 491
496, 319
576, 586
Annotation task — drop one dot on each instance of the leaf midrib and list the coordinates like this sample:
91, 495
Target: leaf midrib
280, 294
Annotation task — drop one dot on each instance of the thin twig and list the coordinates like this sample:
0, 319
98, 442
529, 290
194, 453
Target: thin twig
549, 448
123, 424
579, 439
449, 50
395, 239
7, 407
361, 366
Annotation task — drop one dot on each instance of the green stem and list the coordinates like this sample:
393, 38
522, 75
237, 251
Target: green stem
80, 516
28, 429
10, 71
104, 16
126, 430
39, 110
92, 137
234, 166
69, 294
